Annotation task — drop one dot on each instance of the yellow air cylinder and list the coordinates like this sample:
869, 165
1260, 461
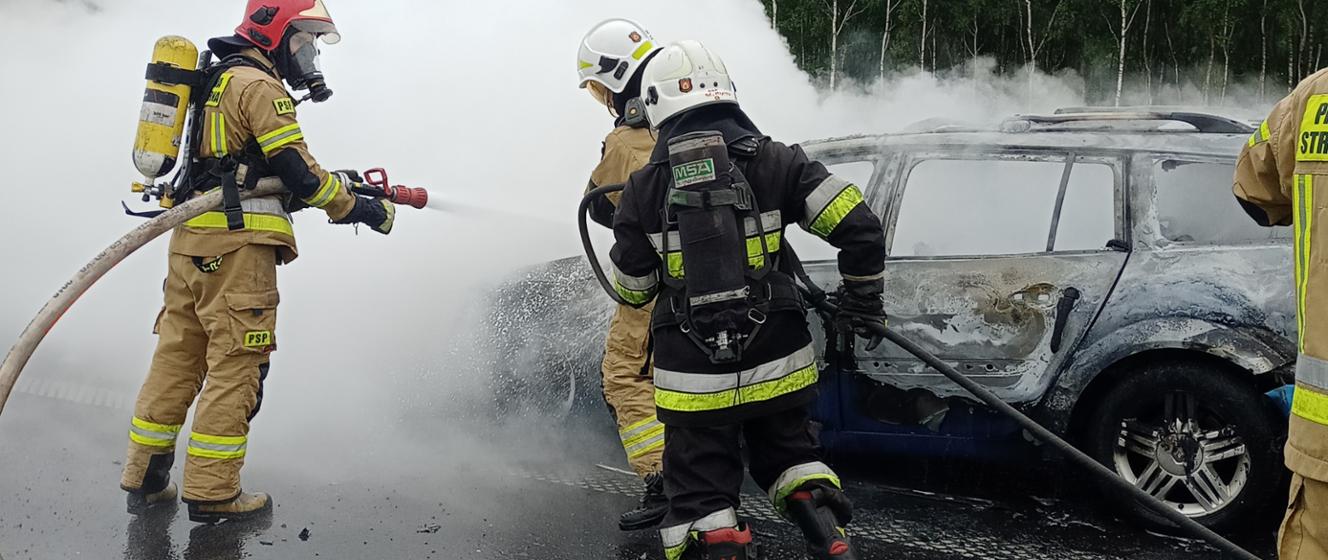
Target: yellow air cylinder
165, 110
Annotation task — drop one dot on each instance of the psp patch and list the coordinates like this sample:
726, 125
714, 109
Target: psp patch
1313, 145
694, 172
258, 339
285, 106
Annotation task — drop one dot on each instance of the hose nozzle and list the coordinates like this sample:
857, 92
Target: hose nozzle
407, 196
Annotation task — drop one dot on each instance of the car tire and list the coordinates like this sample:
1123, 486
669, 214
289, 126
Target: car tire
539, 382
1221, 428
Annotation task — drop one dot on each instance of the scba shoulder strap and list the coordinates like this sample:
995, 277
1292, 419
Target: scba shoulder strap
224, 171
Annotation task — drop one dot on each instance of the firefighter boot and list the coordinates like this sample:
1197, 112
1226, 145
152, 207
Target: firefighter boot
244, 506
822, 511
138, 503
722, 544
654, 505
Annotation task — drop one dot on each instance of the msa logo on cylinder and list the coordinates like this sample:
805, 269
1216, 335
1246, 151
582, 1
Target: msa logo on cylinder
694, 172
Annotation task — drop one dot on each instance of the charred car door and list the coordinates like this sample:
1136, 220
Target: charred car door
999, 261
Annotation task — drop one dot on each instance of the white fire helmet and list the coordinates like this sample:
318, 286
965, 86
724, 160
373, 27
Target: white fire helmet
612, 52
683, 76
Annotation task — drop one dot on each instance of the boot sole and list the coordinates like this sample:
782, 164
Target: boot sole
144, 509
641, 525
211, 518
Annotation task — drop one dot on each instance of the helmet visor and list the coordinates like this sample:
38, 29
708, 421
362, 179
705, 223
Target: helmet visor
323, 30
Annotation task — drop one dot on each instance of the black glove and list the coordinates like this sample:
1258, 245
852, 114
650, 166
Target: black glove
861, 310
377, 213
350, 175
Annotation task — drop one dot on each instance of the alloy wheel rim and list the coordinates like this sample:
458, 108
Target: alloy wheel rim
1185, 455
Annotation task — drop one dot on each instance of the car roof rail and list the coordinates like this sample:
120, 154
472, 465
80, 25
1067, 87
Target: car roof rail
1202, 122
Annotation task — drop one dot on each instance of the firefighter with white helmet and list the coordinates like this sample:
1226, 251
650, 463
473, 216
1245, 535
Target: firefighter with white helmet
611, 61
700, 234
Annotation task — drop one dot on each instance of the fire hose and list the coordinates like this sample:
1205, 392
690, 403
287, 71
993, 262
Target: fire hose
117, 252
816, 297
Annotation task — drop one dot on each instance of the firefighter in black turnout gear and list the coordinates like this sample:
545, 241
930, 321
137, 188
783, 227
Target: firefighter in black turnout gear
699, 232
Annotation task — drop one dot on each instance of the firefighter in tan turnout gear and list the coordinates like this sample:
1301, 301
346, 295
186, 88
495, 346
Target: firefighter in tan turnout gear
611, 61
218, 326
1277, 181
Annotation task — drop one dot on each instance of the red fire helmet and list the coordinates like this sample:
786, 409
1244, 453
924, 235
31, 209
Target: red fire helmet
266, 21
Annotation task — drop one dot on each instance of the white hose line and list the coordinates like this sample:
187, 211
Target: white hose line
92, 272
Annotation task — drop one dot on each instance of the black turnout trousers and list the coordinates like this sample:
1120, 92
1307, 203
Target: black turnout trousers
703, 469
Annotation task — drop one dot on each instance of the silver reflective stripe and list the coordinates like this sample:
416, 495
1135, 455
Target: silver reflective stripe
217, 446
641, 448
677, 534
797, 475
696, 143
643, 428
267, 205
821, 198
697, 383
716, 298
635, 283
853, 278
149, 434
1312, 371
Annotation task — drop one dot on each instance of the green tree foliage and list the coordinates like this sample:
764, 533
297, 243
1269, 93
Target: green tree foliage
1202, 47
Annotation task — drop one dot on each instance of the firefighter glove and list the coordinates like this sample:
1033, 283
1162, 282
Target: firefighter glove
861, 310
377, 213
349, 176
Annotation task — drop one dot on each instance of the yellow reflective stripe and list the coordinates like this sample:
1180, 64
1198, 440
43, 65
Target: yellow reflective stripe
646, 447
217, 447
218, 144
642, 50
582, 65
152, 434
633, 296
325, 193
255, 222
1302, 204
632, 440
674, 264
1264, 132
676, 552
755, 258
280, 137
692, 402
829, 219
1310, 404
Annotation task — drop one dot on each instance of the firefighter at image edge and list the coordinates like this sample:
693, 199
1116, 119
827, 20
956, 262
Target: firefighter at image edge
1275, 182
612, 58
217, 327
699, 231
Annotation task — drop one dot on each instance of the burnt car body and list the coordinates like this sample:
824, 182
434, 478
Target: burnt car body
1091, 268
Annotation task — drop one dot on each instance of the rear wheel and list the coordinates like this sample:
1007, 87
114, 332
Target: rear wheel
1198, 437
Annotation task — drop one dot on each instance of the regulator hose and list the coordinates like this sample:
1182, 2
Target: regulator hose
56, 307
816, 295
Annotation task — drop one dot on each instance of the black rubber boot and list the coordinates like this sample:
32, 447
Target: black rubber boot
822, 512
723, 544
654, 505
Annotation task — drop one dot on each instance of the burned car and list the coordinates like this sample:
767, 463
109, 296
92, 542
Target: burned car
1090, 267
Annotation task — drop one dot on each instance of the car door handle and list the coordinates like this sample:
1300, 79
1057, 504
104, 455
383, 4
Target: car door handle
1069, 296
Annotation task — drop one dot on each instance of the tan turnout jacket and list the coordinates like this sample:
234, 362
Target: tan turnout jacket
247, 105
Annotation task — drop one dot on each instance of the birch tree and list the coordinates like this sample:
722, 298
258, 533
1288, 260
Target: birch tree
1122, 34
890, 6
1035, 44
838, 20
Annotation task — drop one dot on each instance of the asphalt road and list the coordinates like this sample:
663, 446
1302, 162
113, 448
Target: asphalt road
526, 491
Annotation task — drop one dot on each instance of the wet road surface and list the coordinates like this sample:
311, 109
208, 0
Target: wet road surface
520, 493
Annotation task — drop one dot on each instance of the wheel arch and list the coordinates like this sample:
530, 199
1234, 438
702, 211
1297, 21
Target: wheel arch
1250, 352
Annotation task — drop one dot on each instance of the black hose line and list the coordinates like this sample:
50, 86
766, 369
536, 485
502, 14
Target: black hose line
815, 294
590, 247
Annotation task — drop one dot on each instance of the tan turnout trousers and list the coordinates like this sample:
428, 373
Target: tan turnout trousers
628, 384
217, 329
1282, 178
